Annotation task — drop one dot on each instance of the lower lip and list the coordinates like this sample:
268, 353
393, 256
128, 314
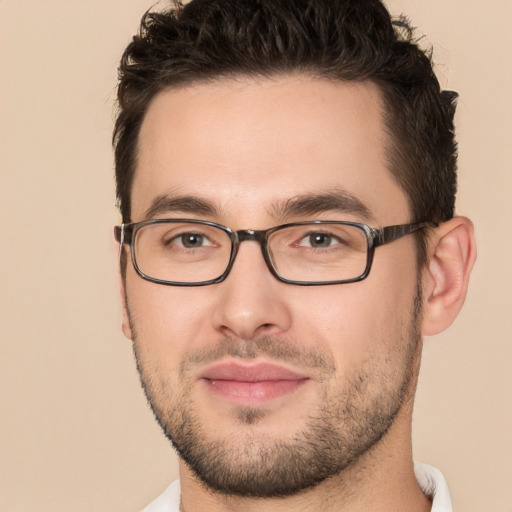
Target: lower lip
253, 393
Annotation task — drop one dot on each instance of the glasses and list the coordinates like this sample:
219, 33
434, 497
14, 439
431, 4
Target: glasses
183, 252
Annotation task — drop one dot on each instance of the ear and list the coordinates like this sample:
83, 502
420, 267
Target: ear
452, 252
125, 322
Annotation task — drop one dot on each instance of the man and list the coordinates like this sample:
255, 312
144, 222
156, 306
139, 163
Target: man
286, 177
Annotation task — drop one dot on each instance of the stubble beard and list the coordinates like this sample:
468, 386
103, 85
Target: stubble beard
347, 424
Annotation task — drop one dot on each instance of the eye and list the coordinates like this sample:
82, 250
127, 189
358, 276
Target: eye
319, 240
191, 240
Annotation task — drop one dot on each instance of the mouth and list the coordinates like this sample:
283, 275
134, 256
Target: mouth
251, 384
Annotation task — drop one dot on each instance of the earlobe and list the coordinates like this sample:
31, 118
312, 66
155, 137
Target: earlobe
125, 324
452, 252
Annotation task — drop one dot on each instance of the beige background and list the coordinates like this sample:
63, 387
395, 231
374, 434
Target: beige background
75, 432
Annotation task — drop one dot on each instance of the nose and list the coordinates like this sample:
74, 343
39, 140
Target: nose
251, 302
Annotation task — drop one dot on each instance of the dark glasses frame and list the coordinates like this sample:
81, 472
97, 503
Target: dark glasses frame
125, 234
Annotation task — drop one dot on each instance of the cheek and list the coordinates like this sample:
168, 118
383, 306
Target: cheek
341, 320
360, 321
165, 319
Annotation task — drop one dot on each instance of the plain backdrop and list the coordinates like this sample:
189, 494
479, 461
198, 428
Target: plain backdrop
75, 431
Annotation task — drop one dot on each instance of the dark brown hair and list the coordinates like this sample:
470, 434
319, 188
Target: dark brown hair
353, 40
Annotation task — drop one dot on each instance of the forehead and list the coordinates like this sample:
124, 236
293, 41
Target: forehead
246, 145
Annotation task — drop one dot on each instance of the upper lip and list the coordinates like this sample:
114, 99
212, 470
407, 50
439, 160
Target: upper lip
252, 372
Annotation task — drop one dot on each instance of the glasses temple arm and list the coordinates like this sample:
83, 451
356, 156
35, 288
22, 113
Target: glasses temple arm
390, 233
123, 235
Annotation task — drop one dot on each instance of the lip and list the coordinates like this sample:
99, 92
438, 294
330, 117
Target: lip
251, 384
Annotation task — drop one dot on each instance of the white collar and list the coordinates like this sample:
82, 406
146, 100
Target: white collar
433, 484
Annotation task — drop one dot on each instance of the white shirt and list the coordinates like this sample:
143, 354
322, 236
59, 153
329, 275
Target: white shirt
430, 480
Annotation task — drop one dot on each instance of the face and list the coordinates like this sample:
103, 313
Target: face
267, 388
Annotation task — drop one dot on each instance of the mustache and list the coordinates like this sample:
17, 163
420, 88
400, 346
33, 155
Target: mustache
266, 346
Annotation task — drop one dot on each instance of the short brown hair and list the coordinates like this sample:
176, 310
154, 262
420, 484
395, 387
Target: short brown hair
351, 40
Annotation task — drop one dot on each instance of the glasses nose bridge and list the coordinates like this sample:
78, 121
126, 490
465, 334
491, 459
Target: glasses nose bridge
251, 235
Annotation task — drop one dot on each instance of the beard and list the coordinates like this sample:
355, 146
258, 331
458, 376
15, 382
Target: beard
352, 414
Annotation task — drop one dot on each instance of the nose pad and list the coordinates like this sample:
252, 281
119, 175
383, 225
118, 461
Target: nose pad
251, 302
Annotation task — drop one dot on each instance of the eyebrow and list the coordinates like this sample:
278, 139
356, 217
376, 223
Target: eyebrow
336, 201
180, 204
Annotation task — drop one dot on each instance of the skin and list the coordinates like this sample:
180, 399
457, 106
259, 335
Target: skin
248, 147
